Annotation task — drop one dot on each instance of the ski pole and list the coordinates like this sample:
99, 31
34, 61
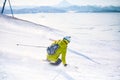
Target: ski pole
31, 45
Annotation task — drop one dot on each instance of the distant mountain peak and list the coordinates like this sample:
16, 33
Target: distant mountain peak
63, 3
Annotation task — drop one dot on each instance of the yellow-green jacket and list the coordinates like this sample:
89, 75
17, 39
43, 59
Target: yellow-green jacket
61, 51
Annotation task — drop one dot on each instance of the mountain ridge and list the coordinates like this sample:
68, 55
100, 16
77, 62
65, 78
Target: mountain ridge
52, 9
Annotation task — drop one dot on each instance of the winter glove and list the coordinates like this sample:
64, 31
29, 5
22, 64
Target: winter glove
65, 65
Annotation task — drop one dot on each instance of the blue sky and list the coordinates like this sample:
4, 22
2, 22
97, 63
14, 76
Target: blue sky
54, 2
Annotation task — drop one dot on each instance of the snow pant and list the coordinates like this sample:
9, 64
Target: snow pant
57, 62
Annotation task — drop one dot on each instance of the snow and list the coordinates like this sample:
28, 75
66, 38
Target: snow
93, 54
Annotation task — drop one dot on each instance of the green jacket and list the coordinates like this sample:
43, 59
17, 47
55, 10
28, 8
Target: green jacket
61, 51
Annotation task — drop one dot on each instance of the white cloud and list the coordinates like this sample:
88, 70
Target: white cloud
32, 2
96, 2
54, 2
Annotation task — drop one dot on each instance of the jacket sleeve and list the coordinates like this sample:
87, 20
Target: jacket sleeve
55, 42
64, 56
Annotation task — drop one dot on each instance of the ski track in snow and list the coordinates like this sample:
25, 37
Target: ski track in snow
26, 63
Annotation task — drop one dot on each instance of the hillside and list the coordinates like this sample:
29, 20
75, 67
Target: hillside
26, 63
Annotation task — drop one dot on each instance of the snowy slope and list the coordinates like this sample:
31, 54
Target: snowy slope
26, 63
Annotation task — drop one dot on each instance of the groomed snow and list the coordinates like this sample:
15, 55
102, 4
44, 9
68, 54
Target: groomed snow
88, 59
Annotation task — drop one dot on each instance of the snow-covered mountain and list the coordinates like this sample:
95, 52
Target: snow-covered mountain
52, 9
63, 7
63, 4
